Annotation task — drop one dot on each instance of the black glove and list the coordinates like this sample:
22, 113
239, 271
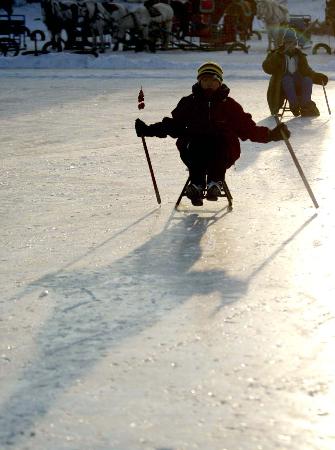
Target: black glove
156, 129
276, 133
141, 128
320, 78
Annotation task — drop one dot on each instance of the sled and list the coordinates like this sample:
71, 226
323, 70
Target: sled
14, 28
286, 108
224, 193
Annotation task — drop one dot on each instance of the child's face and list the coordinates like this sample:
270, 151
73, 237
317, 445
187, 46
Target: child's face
209, 82
290, 45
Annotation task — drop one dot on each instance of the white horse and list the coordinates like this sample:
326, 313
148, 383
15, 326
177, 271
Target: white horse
96, 22
116, 11
143, 23
273, 14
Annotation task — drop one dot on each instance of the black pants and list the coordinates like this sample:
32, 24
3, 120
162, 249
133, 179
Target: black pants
204, 157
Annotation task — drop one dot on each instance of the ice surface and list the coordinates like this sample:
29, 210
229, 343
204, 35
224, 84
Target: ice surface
128, 326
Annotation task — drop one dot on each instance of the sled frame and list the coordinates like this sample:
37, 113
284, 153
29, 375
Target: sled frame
286, 108
224, 193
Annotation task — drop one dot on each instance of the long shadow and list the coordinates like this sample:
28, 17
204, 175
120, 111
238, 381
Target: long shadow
33, 286
96, 310
271, 257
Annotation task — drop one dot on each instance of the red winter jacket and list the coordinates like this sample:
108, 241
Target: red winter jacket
221, 118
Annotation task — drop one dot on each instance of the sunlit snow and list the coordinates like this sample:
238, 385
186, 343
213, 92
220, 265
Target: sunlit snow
126, 325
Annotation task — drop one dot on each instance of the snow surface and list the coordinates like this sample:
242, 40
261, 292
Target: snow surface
128, 326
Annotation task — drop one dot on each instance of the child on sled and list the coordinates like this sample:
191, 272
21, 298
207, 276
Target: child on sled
208, 124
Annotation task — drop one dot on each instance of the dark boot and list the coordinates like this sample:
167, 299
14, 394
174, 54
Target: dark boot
310, 110
213, 191
295, 109
195, 194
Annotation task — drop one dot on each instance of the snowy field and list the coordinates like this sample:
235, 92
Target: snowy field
128, 326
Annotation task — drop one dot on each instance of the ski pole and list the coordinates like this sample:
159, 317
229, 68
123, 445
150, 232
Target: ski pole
141, 105
324, 90
158, 197
297, 164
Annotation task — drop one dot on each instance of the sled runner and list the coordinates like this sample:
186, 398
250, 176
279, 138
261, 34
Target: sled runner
224, 193
285, 108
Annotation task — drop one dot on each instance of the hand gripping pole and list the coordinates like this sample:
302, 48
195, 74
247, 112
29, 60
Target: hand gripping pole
141, 105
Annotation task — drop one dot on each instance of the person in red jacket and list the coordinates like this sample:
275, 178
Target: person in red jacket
208, 125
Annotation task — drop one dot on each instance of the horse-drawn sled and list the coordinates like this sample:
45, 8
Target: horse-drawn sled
13, 33
168, 24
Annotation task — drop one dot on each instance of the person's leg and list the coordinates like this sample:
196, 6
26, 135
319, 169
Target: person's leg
216, 166
193, 155
216, 171
290, 91
306, 88
308, 107
289, 87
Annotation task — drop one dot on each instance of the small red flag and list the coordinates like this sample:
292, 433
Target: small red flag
140, 99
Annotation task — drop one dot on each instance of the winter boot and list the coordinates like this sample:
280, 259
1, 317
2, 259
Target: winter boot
195, 194
295, 109
213, 191
309, 110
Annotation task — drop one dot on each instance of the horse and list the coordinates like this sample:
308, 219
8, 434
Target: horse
58, 16
116, 11
96, 21
141, 22
239, 15
274, 15
250, 16
182, 16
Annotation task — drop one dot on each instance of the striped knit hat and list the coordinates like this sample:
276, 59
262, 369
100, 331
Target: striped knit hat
210, 68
